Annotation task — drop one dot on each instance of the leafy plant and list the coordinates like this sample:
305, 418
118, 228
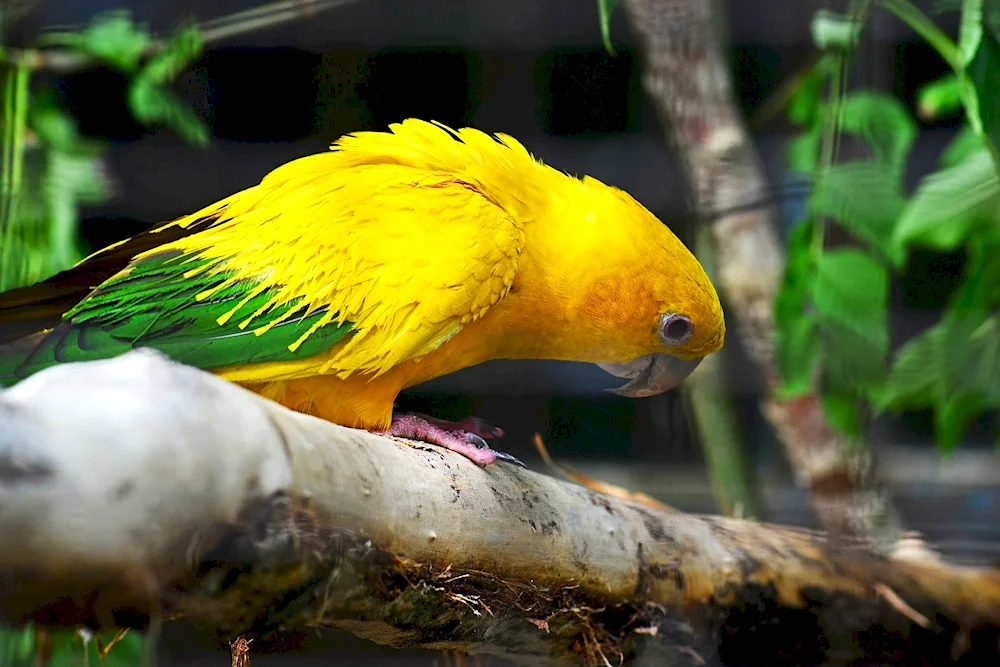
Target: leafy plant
832, 310
49, 169
80, 647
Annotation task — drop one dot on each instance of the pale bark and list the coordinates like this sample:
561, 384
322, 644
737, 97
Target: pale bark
137, 487
686, 74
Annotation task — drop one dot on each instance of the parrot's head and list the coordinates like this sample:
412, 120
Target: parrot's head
645, 297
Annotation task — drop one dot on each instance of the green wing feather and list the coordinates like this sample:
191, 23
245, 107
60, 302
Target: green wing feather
154, 305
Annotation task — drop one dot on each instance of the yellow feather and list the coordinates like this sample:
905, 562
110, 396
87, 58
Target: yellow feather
388, 224
443, 249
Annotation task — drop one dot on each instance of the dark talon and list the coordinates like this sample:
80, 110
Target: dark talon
509, 458
476, 440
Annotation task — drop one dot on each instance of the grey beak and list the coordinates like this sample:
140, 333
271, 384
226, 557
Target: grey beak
651, 375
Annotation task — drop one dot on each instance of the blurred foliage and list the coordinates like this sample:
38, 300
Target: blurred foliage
49, 169
832, 311
33, 647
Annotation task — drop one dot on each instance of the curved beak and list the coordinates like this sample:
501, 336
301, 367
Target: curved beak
651, 375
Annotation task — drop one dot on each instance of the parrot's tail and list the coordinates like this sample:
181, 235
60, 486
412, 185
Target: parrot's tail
27, 314
14, 353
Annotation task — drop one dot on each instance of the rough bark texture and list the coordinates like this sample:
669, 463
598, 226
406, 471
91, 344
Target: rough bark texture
686, 74
136, 490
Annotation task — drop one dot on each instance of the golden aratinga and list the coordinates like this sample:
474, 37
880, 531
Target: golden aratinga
397, 257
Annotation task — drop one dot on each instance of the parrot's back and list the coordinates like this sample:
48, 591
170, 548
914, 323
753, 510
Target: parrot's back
381, 250
353, 263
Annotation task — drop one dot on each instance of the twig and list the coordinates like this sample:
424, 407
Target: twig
103, 650
900, 605
606, 488
240, 649
707, 395
213, 30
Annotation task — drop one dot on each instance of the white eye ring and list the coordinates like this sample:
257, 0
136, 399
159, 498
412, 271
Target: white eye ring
675, 329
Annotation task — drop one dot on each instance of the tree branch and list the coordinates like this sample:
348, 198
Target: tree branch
215, 30
137, 489
687, 77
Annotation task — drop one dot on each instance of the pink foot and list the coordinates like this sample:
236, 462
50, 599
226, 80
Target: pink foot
468, 443
473, 425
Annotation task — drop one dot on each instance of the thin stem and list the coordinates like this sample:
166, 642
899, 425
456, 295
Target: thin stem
948, 50
6, 174
15, 114
926, 28
213, 30
828, 143
707, 395
265, 16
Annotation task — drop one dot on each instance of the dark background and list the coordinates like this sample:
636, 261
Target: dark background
534, 69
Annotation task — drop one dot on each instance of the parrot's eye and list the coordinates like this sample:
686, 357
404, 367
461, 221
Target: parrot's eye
675, 329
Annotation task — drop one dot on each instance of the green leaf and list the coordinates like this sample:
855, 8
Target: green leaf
796, 339
850, 294
70, 648
970, 31
947, 203
841, 412
834, 31
970, 101
112, 37
852, 360
911, 383
884, 123
606, 8
954, 416
795, 287
51, 122
804, 106
17, 646
70, 179
939, 98
863, 197
965, 370
970, 331
799, 355
991, 18
802, 151
984, 71
963, 146
73, 648
153, 105
182, 48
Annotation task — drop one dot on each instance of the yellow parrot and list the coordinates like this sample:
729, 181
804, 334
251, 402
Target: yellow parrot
397, 257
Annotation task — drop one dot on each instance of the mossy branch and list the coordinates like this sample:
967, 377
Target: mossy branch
137, 489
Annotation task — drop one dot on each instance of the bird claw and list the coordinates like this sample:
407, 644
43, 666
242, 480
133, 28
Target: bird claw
509, 458
475, 425
468, 443
477, 440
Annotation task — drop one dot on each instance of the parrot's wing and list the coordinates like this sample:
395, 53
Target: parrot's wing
359, 269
